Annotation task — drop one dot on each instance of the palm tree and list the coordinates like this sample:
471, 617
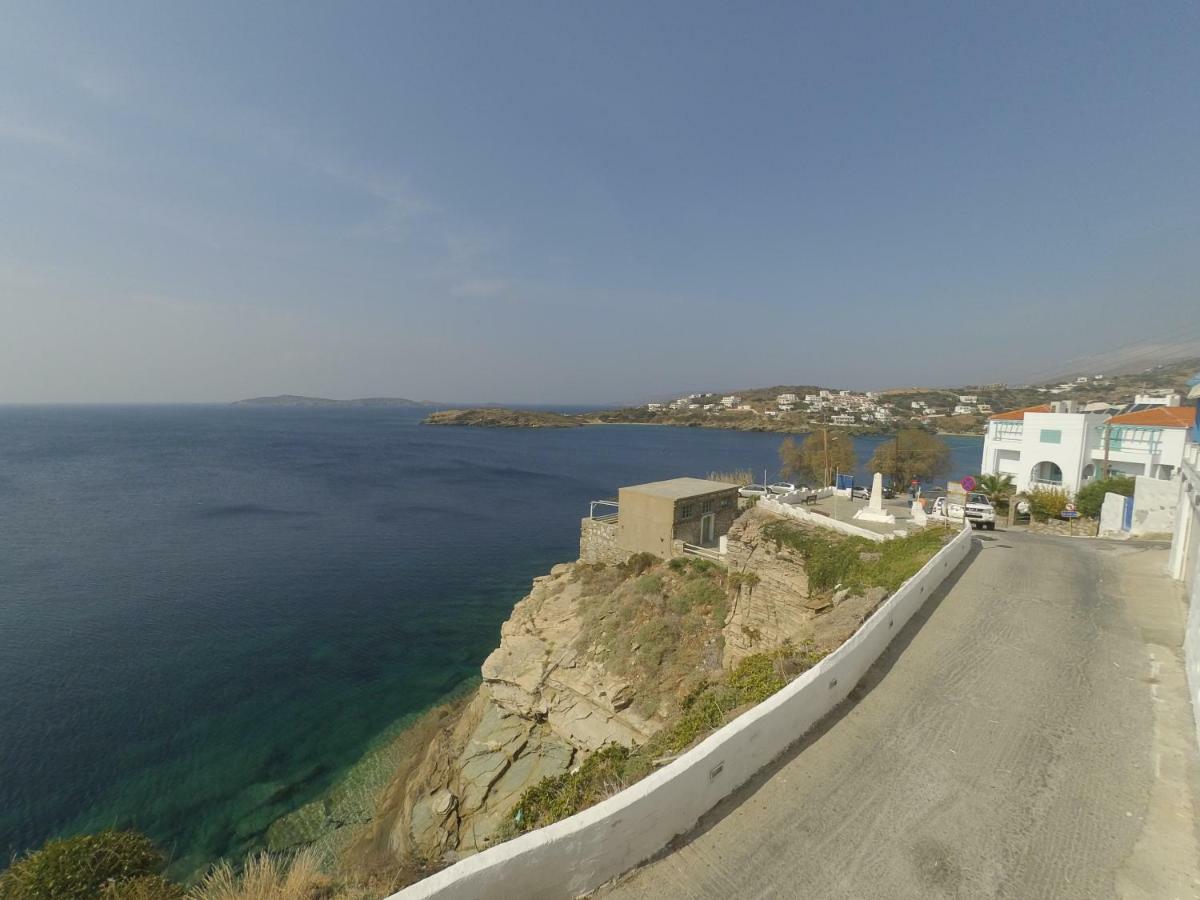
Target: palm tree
998, 487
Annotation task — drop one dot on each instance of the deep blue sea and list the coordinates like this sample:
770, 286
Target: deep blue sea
207, 613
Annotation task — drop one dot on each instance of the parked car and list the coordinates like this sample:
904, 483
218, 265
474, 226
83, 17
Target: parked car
980, 512
861, 493
753, 490
781, 487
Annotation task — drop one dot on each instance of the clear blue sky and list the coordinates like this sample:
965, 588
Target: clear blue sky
560, 202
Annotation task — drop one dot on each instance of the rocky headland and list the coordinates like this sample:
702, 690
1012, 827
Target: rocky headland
497, 417
594, 656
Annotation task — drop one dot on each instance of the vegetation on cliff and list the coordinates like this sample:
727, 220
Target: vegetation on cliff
856, 564
704, 710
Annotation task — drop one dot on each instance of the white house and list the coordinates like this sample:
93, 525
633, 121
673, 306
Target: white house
654, 407
731, 400
844, 419
1148, 442
968, 398
1151, 400
1041, 446
1053, 445
964, 410
786, 399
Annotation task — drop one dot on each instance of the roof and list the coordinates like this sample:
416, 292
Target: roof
680, 488
1158, 417
1019, 414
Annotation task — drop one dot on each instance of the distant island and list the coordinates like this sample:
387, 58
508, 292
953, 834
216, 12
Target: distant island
498, 417
293, 400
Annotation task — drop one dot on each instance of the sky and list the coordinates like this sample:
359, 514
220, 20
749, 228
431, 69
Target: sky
589, 203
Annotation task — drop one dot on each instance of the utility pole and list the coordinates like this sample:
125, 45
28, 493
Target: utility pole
1107, 441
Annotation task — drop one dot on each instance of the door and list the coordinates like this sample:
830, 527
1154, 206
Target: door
708, 527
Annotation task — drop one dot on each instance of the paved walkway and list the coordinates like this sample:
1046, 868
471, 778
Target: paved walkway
1028, 735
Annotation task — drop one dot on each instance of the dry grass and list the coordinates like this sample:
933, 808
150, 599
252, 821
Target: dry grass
267, 877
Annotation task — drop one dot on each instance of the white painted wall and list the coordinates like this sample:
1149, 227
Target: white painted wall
1016, 454
800, 514
1112, 515
1144, 458
578, 854
1154, 506
1184, 565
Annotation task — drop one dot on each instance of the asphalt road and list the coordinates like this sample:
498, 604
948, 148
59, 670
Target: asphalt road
1027, 735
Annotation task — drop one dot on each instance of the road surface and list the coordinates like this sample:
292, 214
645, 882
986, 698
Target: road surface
1027, 735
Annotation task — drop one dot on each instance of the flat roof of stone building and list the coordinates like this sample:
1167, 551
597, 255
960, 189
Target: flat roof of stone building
680, 488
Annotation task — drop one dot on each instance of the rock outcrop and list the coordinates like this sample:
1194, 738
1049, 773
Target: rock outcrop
774, 604
544, 700
553, 691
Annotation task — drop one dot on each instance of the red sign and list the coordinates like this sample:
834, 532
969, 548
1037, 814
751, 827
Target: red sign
968, 483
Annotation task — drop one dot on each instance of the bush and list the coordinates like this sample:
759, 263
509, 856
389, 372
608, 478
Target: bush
1047, 503
649, 584
144, 887
854, 562
1091, 497
639, 563
82, 867
555, 798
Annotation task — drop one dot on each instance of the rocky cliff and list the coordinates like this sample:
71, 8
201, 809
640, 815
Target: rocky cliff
596, 654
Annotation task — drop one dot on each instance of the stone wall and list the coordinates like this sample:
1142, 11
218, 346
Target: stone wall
598, 543
1070, 527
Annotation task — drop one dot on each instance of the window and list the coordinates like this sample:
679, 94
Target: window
726, 502
685, 511
1051, 436
706, 506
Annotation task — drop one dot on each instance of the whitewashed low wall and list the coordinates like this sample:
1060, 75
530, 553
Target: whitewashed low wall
1184, 565
1154, 504
580, 853
800, 514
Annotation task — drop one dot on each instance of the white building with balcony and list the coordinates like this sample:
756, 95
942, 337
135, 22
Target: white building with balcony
1053, 445
1041, 446
1148, 442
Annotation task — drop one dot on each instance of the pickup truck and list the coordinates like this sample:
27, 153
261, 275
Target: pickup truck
979, 511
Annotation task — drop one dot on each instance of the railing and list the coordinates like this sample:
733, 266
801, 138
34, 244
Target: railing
1042, 482
702, 552
607, 517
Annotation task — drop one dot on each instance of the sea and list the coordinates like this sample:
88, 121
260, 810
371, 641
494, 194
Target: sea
208, 613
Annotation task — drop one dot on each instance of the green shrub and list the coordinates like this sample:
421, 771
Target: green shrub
855, 562
80, 868
144, 887
706, 708
555, 798
1091, 497
1047, 503
639, 563
696, 592
649, 584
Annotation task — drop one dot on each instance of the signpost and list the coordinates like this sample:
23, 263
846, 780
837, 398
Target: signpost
1070, 512
968, 484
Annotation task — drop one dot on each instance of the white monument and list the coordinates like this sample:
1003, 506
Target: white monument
874, 511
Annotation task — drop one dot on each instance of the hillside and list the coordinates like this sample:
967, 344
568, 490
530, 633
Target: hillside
296, 401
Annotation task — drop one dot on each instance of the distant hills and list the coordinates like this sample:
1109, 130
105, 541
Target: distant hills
293, 400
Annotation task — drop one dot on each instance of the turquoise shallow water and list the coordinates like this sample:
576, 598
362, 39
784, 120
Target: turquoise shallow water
208, 613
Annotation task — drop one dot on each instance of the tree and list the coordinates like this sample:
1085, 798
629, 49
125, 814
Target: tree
822, 453
1091, 496
911, 454
998, 487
